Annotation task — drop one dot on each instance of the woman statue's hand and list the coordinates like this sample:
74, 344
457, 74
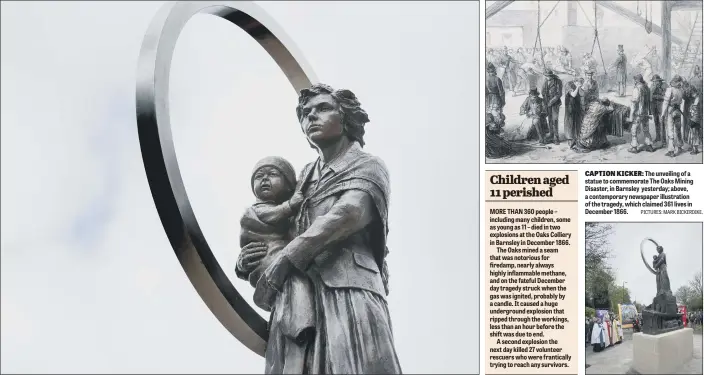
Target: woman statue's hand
271, 283
251, 255
277, 272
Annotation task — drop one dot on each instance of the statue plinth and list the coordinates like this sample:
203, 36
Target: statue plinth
661, 316
662, 354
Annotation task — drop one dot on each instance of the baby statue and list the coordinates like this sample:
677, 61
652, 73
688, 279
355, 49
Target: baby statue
269, 221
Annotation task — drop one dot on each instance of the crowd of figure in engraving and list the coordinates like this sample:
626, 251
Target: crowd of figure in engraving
675, 107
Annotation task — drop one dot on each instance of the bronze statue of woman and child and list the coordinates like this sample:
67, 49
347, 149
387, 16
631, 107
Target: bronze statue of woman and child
662, 315
313, 246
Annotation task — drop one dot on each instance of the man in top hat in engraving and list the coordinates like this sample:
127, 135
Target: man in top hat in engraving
534, 108
621, 76
552, 92
657, 95
640, 115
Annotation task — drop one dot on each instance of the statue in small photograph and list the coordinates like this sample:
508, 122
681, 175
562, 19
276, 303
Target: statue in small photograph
662, 315
660, 266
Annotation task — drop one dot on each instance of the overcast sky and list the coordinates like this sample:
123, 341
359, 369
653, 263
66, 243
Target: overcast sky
682, 243
89, 281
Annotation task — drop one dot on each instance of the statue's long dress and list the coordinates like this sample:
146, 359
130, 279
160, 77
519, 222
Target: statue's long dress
352, 326
663, 280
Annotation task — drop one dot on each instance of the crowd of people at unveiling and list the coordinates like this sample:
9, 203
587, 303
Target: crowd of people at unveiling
606, 330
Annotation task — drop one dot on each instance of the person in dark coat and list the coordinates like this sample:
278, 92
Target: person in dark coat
657, 95
494, 94
534, 108
552, 94
573, 111
640, 115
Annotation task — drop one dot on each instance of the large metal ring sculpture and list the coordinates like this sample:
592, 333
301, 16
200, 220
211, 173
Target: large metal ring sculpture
642, 255
159, 156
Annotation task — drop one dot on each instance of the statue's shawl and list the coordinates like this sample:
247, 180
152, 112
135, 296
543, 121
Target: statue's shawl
254, 229
354, 170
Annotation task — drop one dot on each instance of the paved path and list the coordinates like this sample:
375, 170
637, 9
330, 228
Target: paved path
617, 359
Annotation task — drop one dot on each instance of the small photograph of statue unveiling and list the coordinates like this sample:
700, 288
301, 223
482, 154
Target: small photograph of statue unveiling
593, 81
643, 302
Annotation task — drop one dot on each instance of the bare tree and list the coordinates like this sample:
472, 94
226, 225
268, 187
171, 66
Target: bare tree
696, 284
598, 273
596, 242
684, 295
696, 300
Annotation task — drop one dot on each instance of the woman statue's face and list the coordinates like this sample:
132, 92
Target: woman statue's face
321, 120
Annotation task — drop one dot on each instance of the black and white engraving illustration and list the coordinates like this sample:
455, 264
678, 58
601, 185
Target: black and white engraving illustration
593, 81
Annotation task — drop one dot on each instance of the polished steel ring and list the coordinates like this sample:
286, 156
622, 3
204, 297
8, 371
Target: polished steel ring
642, 255
159, 156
